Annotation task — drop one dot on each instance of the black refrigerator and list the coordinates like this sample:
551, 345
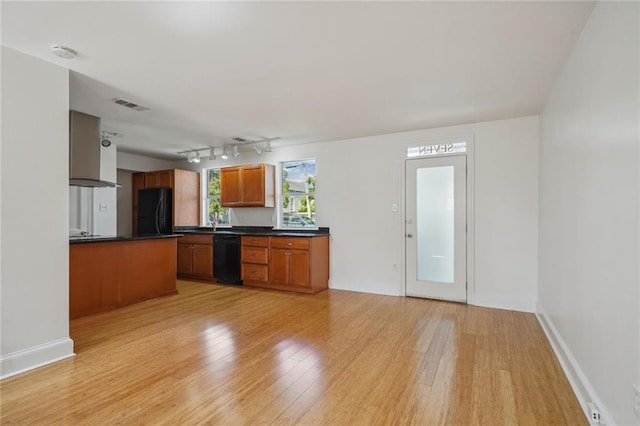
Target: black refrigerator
154, 211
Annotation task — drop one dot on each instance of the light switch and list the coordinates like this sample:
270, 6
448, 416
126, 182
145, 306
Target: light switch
394, 207
103, 207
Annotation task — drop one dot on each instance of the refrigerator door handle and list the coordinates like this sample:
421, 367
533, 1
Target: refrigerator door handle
157, 218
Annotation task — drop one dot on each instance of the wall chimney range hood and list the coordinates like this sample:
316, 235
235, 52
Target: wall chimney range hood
85, 152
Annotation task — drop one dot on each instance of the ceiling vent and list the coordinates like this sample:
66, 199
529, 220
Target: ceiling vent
129, 104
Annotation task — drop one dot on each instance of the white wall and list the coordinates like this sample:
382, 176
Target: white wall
125, 203
94, 210
359, 180
588, 291
104, 199
35, 215
141, 163
80, 210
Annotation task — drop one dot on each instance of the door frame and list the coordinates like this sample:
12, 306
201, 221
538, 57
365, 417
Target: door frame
470, 154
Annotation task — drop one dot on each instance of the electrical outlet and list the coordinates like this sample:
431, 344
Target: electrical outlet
594, 413
636, 400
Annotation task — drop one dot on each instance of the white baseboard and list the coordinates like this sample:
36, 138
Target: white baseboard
34, 357
501, 303
578, 380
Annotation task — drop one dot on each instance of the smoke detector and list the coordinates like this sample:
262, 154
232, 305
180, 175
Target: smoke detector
64, 52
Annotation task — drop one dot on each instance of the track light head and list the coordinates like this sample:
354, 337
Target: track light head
212, 154
236, 154
193, 156
257, 149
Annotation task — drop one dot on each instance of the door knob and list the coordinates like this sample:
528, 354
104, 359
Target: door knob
409, 235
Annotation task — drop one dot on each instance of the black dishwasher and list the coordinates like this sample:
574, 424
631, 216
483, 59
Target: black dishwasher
226, 258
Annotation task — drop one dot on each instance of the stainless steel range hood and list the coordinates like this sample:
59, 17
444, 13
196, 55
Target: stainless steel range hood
85, 152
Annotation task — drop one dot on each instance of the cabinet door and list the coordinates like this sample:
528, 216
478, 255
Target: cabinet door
185, 264
252, 183
164, 179
230, 186
279, 266
299, 268
255, 273
203, 260
186, 198
256, 255
137, 183
151, 180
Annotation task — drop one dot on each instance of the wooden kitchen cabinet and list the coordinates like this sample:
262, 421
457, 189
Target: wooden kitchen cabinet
299, 264
248, 186
195, 256
255, 260
230, 195
185, 194
159, 179
108, 275
290, 261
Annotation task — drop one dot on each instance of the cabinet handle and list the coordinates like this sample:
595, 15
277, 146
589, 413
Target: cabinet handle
289, 243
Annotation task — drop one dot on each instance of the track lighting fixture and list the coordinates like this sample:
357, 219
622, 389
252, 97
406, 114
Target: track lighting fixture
193, 157
259, 149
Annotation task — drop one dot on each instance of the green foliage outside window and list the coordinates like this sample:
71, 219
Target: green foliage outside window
216, 213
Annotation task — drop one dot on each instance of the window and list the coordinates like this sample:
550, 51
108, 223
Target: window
213, 210
298, 205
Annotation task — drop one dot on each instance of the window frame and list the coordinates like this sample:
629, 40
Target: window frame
204, 198
280, 196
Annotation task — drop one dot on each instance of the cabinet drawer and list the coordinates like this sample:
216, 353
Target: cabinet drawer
196, 239
250, 240
258, 255
292, 243
252, 272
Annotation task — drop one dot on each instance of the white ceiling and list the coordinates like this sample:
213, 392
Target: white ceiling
305, 71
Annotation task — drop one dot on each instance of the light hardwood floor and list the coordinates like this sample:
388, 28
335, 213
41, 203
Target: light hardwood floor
225, 355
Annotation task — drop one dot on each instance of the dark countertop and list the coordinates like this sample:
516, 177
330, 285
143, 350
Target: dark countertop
111, 238
265, 231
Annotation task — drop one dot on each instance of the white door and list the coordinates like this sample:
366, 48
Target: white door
436, 228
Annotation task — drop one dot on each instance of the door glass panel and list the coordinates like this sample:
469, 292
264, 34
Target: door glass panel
434, 225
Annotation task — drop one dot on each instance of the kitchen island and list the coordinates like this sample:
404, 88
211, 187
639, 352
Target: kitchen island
110, 272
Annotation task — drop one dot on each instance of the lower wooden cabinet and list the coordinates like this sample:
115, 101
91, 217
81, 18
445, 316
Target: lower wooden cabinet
195, 257
255, 260
298, 264
108, 275
290, 267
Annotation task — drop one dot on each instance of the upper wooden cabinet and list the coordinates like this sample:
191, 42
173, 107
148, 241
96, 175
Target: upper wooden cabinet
185, 194
248, 186
160, 179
